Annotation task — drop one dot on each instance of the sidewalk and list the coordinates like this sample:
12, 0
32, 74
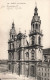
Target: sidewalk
9, 76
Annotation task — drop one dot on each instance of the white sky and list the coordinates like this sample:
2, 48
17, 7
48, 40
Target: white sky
22, 19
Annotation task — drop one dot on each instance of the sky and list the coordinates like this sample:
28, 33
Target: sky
21, 12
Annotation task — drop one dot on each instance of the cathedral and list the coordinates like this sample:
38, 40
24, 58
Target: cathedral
23, 56
27, 58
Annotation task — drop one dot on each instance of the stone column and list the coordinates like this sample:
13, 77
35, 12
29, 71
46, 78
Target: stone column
22, 58
29, 69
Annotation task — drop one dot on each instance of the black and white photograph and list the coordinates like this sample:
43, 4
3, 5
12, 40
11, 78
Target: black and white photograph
24, 39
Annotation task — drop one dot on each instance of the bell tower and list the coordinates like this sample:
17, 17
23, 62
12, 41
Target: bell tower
12, 32
36, 35
12, 55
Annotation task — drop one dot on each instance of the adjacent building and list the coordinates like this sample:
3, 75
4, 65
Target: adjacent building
43, 71
46, 53
3, 66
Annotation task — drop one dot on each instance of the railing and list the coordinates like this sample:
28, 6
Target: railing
36, 31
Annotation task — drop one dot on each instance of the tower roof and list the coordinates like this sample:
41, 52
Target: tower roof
36, 18
12, 30
13, 24
35, 10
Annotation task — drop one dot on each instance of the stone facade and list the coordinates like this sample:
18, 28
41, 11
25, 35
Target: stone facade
24, 55
27, 58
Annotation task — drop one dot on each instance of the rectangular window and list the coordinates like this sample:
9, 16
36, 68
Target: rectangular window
39, 69
9, 67
42, 74
45, 69
48, 74
42, 69
45, 74
45, 79
39, 73
42, 78
48, 69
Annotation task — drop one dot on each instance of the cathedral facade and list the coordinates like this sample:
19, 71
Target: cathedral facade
23, 56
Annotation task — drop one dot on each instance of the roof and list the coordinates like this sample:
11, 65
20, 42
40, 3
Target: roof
3, 61
44, 64
46, 51
20, 35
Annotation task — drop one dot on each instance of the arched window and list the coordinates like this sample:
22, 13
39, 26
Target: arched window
39, 40
10, 45
27, 54
33, 40
45, 58
13, 45
32, 55
12, 55
33, 26
36, 26
32, 72
39, 25
12, 36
